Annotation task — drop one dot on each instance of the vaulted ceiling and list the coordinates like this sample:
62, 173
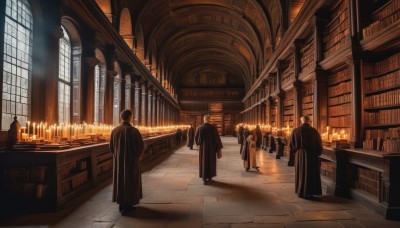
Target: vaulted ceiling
178, 38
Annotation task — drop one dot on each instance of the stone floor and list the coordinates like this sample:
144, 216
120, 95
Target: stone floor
174, 196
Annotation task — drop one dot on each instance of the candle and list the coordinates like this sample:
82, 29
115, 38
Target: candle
24, 137
29, 122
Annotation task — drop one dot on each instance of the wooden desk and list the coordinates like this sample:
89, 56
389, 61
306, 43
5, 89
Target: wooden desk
44, 180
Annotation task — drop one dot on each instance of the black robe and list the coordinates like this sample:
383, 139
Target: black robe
127, 146
240, 135
190, 137
306, 143
259, 136
209, 142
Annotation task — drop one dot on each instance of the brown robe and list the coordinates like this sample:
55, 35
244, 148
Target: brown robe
190, 137
306, 143
209, 142
249, 158
127, 146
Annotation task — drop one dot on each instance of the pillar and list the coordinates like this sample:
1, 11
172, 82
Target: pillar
144, 105
150, 106
137, 101
155, 110
87, 104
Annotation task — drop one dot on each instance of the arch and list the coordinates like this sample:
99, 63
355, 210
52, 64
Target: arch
139, 43
99, 87
125, 27
105, 6
70, 28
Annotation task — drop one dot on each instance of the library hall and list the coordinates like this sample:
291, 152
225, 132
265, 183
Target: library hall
200, 113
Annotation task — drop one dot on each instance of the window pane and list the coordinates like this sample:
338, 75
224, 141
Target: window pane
16, 63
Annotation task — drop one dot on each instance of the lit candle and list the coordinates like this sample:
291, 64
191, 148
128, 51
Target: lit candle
29, 122
24, 136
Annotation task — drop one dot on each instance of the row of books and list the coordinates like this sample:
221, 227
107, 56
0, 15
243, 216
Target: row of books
340, 121
104, 157
382, 117
344, 109
383, 17
367, 185
25, 190
341, 88
307, 56
72, 167
308, 99
288, 73
308, 112
343, 40
390, 133
380, 144
75, 182
336, 34
384, 66
339, 76
288, 118
31, 174
346, 98
307, 106
338, 13
388, 81
390, 98
104, 167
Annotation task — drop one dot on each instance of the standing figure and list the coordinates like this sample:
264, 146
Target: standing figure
179, 134
250, 152
259, 135
209, 142
127, 147
306, 144
240, 134
190, 137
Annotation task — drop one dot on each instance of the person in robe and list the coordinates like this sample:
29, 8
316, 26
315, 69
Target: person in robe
127, 147
249, 155
306, 144
190, 137
209, 142
245, 144
259, 135
179, 134
240, 134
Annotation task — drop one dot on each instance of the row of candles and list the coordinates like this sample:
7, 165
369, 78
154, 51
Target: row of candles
47, 132
336, 134
286, 131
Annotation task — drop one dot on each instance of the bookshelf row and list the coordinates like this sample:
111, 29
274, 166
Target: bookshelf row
288, 73
288, 109
382, 17
307, 55
382, 117
337, 30
307, 105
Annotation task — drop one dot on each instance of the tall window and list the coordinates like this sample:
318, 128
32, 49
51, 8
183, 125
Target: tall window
64, 80
117, 98
17, 64
96, 94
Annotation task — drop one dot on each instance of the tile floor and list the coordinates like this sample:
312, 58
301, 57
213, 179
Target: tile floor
174, 196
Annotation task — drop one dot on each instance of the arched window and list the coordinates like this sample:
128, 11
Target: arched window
64, 80
17, 63
99, 87
116, 100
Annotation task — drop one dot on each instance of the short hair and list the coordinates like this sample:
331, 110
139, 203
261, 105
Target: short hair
126, 115
305, 118
206, 118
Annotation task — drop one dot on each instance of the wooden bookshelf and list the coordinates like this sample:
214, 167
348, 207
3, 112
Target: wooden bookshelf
307, 53
383, 13
274, 110
288, 72
382, 103
217, 119
288, 109
339, 100
307, 105
337, 32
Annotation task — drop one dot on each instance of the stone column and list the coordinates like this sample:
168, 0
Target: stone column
155, 110
108, 97
320, 111
150, 106
137, 101
87, 104
144, 105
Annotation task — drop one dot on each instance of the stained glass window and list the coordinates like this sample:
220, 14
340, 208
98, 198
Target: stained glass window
17, 64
